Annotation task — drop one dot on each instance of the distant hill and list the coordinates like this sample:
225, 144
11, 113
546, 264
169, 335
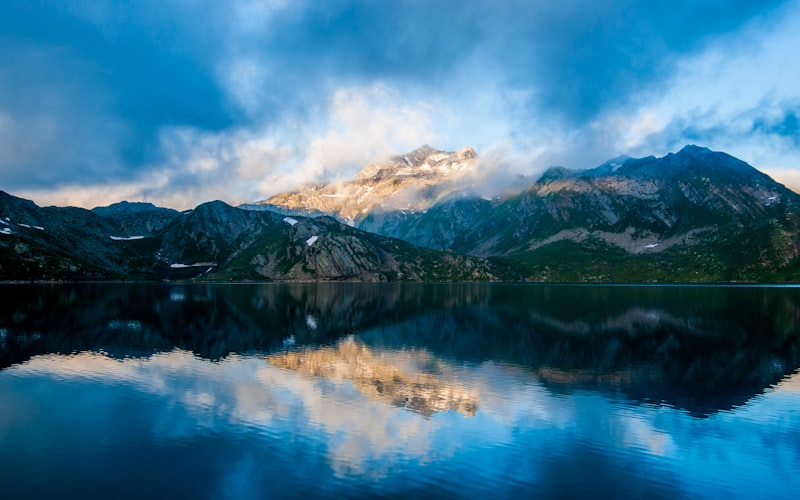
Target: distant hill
214, 242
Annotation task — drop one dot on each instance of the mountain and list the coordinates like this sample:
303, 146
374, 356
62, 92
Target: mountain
695, 215
406, 183
143, 219
213, 241
692, 216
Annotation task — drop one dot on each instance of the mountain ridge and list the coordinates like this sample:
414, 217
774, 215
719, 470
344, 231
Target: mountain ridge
696, 216
214, 241
623, 209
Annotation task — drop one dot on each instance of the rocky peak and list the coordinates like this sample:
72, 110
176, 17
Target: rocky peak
129, 207
413, 181
554, 174
424, 161
416, 157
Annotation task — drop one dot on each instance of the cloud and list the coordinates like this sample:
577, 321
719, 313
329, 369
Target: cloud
364, 124
112, 93
355, 126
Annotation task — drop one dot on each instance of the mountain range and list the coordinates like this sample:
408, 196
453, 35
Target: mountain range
692, 216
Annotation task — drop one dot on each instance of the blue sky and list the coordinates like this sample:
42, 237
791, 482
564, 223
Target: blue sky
184, 101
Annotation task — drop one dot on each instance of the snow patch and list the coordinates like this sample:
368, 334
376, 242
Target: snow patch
651, 245
126, 238
3, 222
311, 240
40, 228
178, 265
6, 230
290, 221
311, 322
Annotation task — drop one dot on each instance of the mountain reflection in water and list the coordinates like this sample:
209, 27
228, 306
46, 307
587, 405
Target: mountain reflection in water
358, 390
703, 349
377, 378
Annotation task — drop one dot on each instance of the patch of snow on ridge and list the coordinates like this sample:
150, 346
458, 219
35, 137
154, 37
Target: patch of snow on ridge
40, 228
311, 240
651, 245
6, 230
290, 221
126, 238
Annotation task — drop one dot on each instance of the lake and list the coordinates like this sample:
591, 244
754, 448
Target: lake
362, 390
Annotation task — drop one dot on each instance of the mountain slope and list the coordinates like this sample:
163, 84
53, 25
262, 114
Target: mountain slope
213, 241
695, 215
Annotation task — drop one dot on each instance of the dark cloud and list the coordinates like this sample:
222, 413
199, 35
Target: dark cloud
577, 57
110, 74
787, 125
86, 87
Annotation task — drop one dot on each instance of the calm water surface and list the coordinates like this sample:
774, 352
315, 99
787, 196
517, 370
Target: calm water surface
349, 390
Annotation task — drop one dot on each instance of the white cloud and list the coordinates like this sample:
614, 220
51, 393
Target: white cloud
359, 125
356, 126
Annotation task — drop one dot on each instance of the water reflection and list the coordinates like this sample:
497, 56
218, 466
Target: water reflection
379, 378
361, 390
285, 433
703, 349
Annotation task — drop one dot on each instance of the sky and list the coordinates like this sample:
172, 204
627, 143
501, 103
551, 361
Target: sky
178, 102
